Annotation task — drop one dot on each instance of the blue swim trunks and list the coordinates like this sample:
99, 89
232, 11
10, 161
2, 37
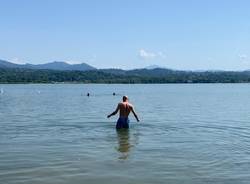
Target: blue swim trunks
122, 122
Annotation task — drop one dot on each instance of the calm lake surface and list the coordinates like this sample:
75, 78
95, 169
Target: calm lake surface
189, 133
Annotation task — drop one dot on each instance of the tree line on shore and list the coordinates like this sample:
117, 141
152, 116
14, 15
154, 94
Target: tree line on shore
10, 75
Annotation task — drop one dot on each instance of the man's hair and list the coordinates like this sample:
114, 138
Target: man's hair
124, 98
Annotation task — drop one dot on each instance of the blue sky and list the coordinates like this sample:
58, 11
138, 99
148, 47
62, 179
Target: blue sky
178, 34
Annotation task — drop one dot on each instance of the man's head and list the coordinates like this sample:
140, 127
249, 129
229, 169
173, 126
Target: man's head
124, 98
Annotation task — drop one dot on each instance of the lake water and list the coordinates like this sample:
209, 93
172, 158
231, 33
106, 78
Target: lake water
189, 133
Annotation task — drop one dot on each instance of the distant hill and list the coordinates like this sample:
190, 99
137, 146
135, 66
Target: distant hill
114, 71
6, 64
150, 67
63, 72
56, 65
144, 72
156, 72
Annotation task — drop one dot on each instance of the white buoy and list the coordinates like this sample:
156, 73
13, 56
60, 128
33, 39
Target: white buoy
1, 91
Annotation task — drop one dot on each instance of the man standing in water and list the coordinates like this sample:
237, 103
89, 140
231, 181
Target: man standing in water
124, 107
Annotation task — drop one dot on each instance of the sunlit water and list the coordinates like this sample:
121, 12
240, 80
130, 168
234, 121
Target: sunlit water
189, 133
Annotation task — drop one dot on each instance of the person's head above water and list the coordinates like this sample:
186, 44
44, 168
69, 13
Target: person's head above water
125, 98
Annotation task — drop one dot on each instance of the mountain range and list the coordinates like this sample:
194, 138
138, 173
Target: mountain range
83, 73
56, 65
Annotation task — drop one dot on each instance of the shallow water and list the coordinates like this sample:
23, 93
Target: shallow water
189, 133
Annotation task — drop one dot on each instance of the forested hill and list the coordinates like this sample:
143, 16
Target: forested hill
55, 65
158, 75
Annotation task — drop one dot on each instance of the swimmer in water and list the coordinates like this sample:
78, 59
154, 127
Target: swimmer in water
125, 108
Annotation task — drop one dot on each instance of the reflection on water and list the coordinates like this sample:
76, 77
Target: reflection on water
124, 144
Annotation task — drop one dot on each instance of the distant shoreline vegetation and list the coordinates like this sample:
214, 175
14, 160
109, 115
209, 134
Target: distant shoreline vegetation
62, 72
112, 76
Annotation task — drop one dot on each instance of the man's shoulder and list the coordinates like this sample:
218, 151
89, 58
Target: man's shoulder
130, 105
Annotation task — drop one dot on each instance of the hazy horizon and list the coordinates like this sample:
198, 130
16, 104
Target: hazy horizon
145, 67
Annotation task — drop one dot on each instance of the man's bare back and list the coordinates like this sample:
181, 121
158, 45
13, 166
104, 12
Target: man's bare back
124, 109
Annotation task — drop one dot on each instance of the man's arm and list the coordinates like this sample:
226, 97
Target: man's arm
114, 113
136, 117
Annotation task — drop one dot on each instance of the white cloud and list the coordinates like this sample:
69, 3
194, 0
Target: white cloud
146, 55
17, 61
